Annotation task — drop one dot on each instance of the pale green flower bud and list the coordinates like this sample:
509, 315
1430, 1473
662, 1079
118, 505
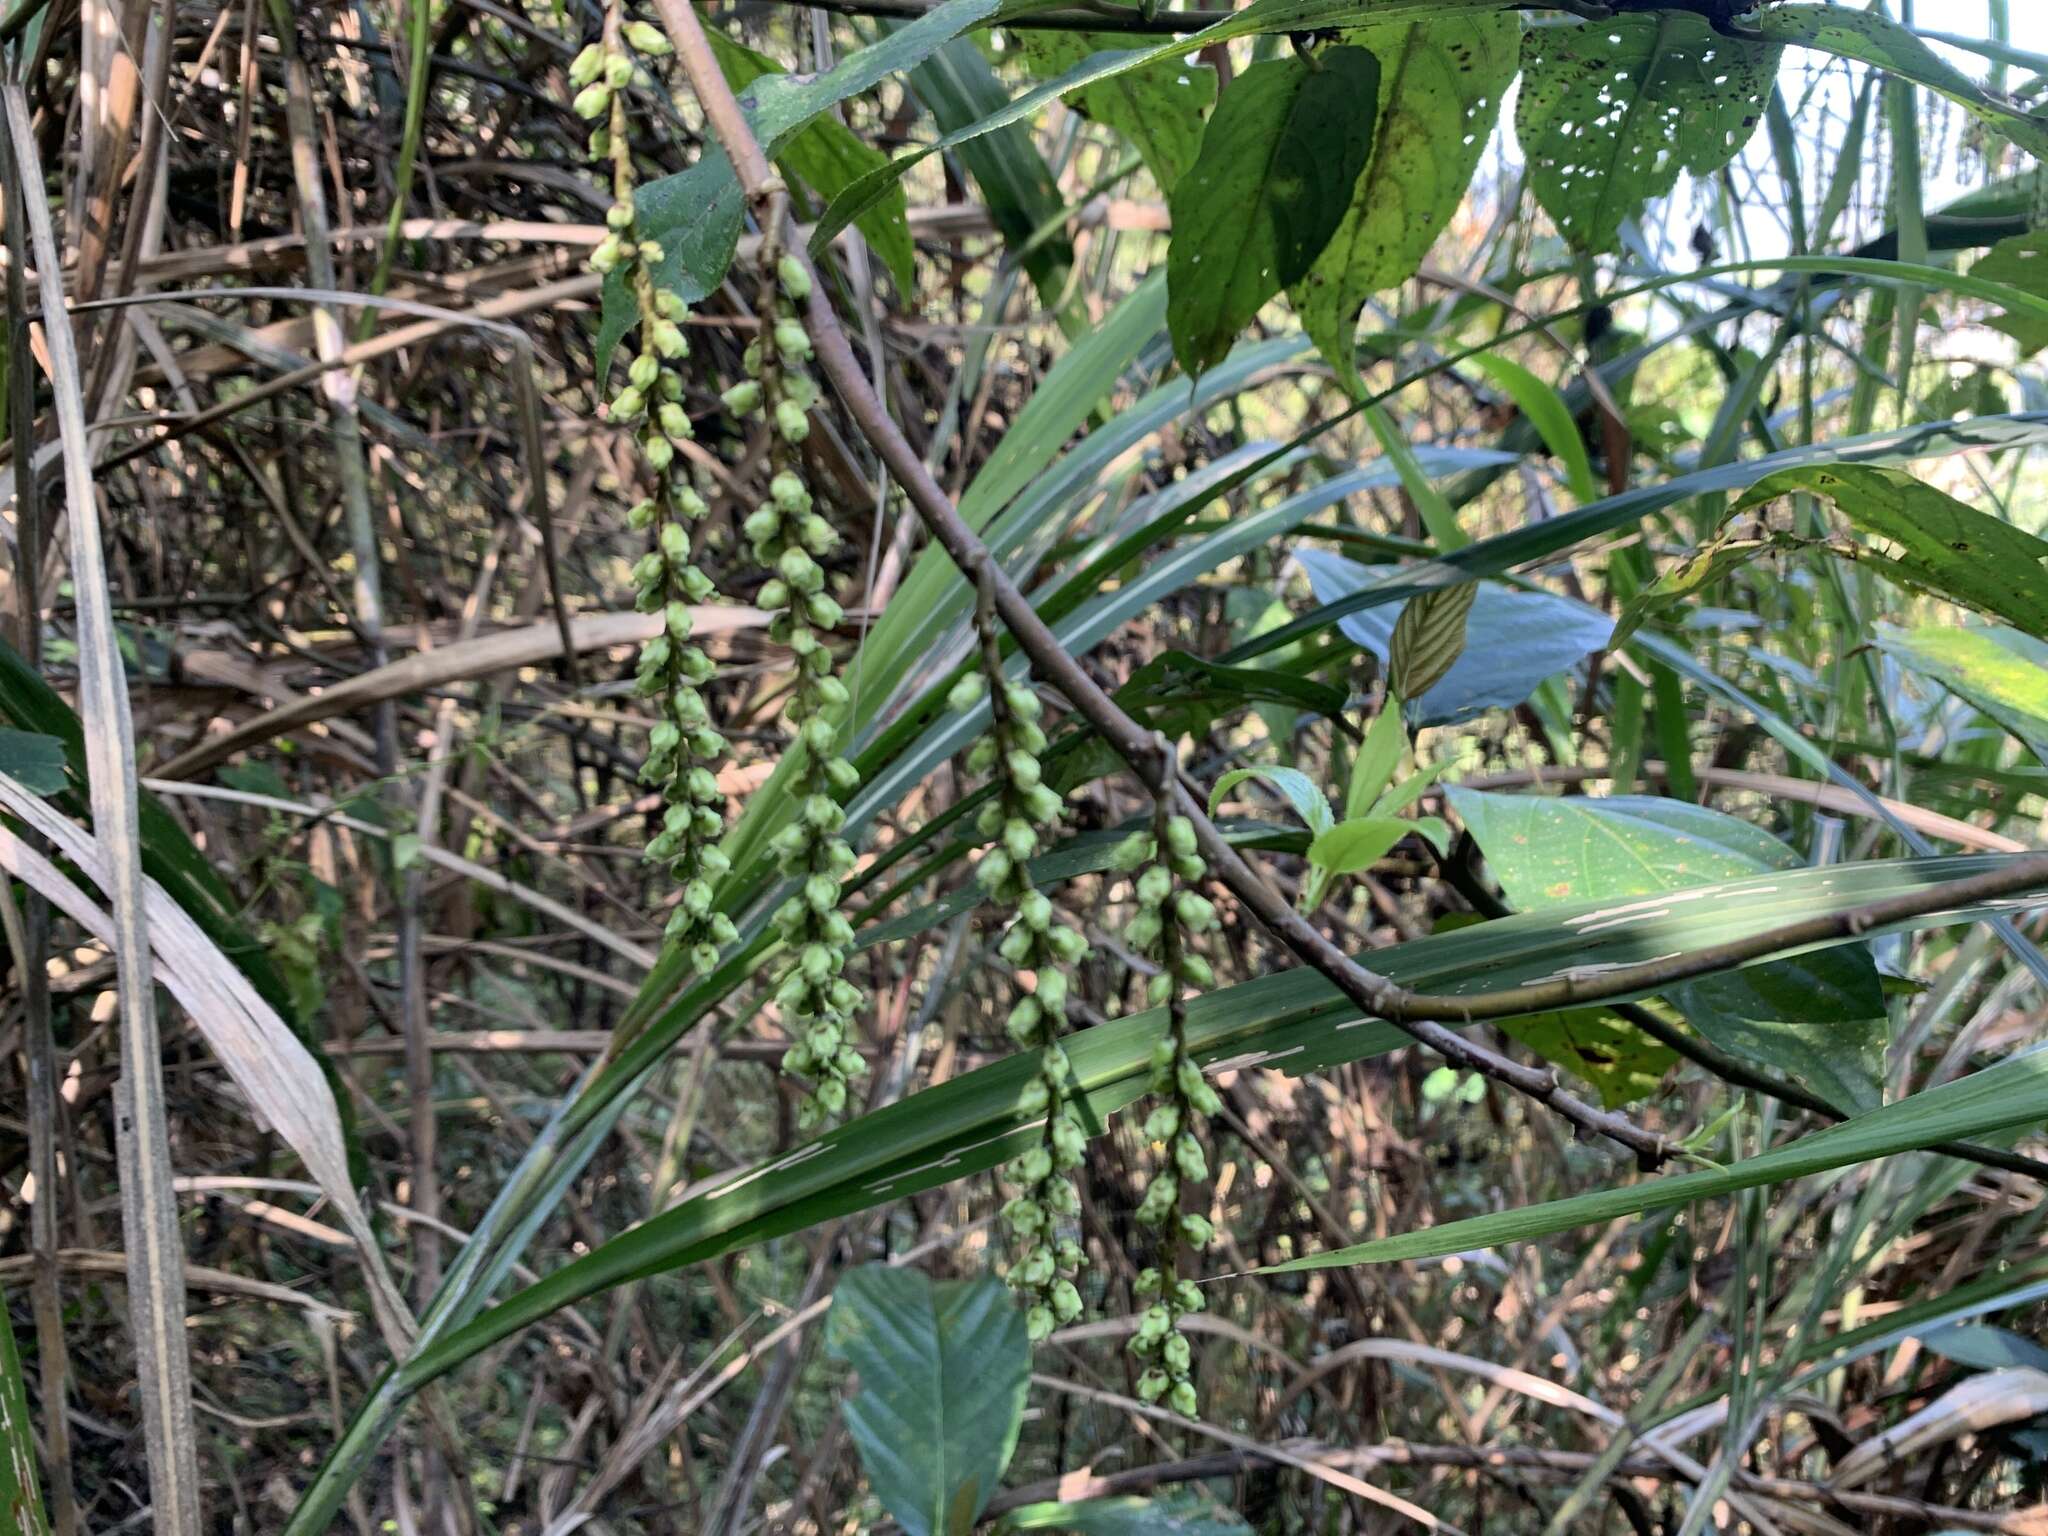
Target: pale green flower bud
594, 100
618, 71
966, 693
646, 38
744, 398
791, 339
791, 422
796, 281
587, 65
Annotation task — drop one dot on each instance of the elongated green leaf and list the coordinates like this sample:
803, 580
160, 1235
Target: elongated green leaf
1612, 110
1932, 542
2010, 1096
1547, 412
1278, 163
829, 157
1004, 162
1441, 84
1158, 107
943, 1369
1875, 38
1359, 844
1292, 1020
1429, 637
1819, 1018
21, 1498
1386, 742
2000, 671
1301, 791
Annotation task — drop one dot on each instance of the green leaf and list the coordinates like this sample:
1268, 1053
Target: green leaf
1157, 107
2019, 261
1174, 1512
2011, 1096
1386, 742
1611, 111
1278, 162
21, 1499
1547, 412
1351, 846
828, 157
1441, 84
35, 761
1298, 787
1621, 1062
1876, 39
1820, 1017
2000, 671
1429, 637
943, 1371
1932, 542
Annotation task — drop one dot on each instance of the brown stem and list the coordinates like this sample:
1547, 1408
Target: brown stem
1417, 1014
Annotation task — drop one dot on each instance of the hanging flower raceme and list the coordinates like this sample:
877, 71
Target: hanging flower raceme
683, 744
1044, 1257
1170, 912
788, 537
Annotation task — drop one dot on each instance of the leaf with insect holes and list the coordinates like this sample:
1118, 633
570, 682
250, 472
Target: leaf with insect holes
1441, 84
1927, 540
1429, 637
1278, 162
1611, 111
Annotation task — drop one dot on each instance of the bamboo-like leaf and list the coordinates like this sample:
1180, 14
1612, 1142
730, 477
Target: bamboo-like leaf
2010, 1096
21, 1498
149, 1212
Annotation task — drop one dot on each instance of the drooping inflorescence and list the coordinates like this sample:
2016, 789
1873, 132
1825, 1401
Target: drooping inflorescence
1044, 1258
1170, 912
683, 743
789, 536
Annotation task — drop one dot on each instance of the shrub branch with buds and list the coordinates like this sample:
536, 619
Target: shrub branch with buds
1044, 1258
789, 536
1170, 912
683, 743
